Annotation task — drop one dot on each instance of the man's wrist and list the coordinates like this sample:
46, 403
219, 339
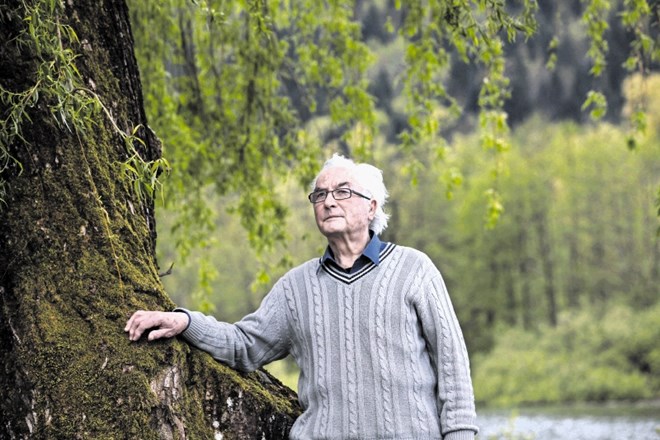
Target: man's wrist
180, 310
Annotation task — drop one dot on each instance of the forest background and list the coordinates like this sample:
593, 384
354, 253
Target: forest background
548, 240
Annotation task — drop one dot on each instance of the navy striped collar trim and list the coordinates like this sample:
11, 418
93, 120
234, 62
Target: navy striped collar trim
349, 278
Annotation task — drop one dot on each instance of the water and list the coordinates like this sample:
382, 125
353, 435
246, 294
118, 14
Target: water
611, 422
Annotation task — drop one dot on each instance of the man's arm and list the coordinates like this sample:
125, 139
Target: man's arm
447, 349
257, 339
165, 324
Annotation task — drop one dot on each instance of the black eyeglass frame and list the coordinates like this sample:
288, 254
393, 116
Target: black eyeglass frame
334, 192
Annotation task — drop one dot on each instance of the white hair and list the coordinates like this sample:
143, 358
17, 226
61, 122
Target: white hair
370, 179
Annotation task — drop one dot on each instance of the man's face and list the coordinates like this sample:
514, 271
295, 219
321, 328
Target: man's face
342, 218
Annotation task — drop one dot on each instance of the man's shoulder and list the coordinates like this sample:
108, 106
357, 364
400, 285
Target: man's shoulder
415, 258
309, 265
410, 252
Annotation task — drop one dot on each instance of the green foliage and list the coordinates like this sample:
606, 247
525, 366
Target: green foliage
551, 64
56, 79
642, 109
58, 84
144, 175
588, 357
636, 16
597, 102
221, 109
561, 243
236, 69
475, 32
595, 19
238, 90
216, 76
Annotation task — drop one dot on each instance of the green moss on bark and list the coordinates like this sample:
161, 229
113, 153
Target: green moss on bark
79, 260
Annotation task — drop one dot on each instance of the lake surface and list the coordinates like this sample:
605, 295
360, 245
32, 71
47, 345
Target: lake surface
606, 422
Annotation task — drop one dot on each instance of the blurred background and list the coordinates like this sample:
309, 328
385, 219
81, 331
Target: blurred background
548, 243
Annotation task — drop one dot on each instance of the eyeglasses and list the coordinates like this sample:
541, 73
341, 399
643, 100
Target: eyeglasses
338, 194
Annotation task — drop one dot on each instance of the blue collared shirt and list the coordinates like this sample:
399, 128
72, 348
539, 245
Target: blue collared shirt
370, 254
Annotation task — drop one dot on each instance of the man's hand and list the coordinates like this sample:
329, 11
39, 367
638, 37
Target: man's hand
166, 324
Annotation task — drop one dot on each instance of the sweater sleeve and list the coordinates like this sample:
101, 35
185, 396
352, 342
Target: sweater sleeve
444, 338
257, 339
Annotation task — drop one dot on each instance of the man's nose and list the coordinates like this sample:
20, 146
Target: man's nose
330, 199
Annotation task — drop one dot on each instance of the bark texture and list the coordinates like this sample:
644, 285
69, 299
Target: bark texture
77, 257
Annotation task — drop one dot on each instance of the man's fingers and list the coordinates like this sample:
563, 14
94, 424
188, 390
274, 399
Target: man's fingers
139, 322
157, 334
165, 324
129, 323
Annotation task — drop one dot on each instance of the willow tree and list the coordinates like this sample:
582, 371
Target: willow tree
79, 169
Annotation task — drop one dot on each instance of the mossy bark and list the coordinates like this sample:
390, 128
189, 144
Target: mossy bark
77, 258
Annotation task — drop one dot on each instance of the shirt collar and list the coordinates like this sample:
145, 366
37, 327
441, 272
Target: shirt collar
372, 251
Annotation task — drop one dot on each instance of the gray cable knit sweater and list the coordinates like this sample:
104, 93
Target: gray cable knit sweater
380, 351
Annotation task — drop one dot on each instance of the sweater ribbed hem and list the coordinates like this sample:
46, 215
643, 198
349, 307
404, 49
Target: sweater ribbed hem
181, 310
459, 435
194, 329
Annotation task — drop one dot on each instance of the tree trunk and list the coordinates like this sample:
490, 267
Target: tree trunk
77, 251
511, 313
524, 270
574, 288
547, 265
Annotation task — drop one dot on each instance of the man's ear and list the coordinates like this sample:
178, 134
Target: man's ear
373, 205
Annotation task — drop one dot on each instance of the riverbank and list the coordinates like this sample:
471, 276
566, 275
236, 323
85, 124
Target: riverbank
581, 421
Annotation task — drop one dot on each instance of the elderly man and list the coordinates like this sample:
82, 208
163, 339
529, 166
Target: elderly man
370, 324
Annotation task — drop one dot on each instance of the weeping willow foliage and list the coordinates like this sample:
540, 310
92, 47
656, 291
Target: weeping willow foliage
231, 88
236, 89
